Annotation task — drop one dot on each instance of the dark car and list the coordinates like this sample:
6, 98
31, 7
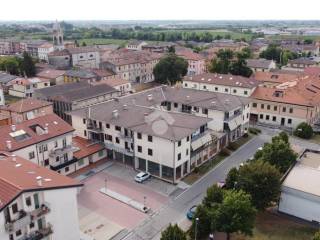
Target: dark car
191, 212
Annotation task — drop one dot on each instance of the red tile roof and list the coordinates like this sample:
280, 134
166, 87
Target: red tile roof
18, 175
26, 105
86, 147
56, 127
50, 73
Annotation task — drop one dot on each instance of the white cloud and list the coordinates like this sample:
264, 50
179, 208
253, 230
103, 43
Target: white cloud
155, 9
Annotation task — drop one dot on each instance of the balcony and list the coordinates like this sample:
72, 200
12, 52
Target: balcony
126, 151
62, 165
125, 137
24, 219
43, 210
60, 151
94, 128
39, 234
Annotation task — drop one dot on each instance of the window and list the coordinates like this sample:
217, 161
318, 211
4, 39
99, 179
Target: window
108, 137
139, 135
57, 158
56, 142
18, 233
117, 128
216, 88
84, 121
66, 169
80, 162
64, 142
14, 208
284, 109
28, 201
274, 118
267, 117
204, 111
46, 162
234, 90
150, 152
85, 133
31, 155
179, 156
117, 140
65, 157
289, 121
179, 143
204, 87
290, 110
107, 125
226, 89
261, 116
186, 84
149, 138
175, 105
275, 108
139, 149
245, 92
268, 107
187, 152
31, 225
188, 138
100, 153
262, 106
254, 105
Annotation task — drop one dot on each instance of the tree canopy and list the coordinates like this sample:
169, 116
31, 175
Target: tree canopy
304, 130
173, 232
170, 69
18, 66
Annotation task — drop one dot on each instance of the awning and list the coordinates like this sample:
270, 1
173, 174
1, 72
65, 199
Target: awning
201, 141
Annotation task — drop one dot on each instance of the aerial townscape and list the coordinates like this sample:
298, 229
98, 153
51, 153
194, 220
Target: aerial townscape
158, 129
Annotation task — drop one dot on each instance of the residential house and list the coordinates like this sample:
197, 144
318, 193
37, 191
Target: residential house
45, 140
135, 45
44, 50
25, 87
32, 200
26, 109
71, 96
261, 65
158, 47
79, 75
5, 79
54, 76
273, 79
300, 64
196, 62
122, 85
221, 83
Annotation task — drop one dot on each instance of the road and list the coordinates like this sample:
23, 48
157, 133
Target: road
175, 211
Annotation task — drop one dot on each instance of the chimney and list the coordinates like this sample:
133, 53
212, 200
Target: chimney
46, 129
188, 98
115, 113
9, 146
39, 181
150, 97
13, 128
125, 107
14, 159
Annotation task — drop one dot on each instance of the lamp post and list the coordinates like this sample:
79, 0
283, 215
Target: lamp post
105, 184
196, 228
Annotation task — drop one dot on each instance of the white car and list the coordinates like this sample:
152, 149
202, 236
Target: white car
141, 177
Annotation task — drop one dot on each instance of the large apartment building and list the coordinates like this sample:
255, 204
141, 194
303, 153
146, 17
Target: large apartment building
36, 203
173, 129
221, 83
196, 62
134, 66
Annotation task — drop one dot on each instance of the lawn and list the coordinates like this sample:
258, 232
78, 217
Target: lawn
271, 226
93, 41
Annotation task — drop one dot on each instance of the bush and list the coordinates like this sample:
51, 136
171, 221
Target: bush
233, 146
254, 131
225, 152
196, 170
304, 130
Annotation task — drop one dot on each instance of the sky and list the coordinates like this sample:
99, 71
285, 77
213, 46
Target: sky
159, 9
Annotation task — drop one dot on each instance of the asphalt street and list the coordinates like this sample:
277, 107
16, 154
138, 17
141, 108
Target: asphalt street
175, 211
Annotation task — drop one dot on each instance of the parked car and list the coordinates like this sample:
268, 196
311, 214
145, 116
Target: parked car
221, 184
142, 176
191, 212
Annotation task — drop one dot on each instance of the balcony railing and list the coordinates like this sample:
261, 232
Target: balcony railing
62, 165
94, 128
61, 151
126, 151
23, 220
39, 234
125, 137
44, 209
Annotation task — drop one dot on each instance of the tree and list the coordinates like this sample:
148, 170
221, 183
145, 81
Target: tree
27, 66
236, 213
277, 153
170, 69
304, 130
240, 68
283, 136
76, 43
173, 232
308, 41
262, 181
232, 178
273, 52
83, 44
206, 223
171, 49
222, 63
214, 195
316, 236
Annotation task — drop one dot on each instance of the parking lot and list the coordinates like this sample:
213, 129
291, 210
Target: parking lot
108, 216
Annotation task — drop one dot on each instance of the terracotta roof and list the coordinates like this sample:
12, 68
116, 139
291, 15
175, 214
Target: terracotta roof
85, 147
259, 63
18, 175
188, 54
46, 45
102, 72
223, 79
25, 135
26, 105
276, 77
113, 82
63, 52
302, 60
50, 73
27, 81
77, 50
312, 71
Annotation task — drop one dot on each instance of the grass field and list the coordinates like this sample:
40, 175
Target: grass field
93, 41
271, 226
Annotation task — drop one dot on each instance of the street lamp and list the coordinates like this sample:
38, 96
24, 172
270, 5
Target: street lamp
144, 201
195, 231
105, 184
